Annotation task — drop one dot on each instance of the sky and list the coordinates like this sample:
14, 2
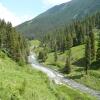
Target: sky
19, 11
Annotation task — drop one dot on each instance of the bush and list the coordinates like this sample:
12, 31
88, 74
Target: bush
2, 55
67, 66
42, 56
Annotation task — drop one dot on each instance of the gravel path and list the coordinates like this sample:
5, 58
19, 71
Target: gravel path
60, 79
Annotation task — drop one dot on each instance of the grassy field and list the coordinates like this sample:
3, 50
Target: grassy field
24, 83
35, 42
91, 80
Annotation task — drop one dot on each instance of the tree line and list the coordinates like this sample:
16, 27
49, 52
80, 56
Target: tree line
13, 43
77, 33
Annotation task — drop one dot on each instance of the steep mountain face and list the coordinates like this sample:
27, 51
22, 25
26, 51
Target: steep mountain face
58, 16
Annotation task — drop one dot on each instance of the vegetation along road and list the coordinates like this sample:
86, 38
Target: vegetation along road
60, 79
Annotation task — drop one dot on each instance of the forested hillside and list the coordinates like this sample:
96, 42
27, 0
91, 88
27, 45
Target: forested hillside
25, 83
58, 17
13, 43
74, 50
63, 42
71, 35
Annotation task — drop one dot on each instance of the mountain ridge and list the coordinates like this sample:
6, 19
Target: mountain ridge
58, 16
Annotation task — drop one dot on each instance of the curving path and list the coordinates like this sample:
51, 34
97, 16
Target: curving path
60, 79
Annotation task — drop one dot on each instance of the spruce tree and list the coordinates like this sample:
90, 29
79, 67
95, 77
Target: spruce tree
42, 56
12, 43
68, 62
55, 56
55, 52
87, 55
69, 41
98, 50
68, 58
92, 37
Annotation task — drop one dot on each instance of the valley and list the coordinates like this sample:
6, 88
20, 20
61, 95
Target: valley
53, 56
25, 83
59, 78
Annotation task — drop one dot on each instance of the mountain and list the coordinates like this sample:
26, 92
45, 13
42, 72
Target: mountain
58, 16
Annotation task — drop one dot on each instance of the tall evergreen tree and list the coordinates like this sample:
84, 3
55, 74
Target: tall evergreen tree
92, 37
55, 52
68, 58
98, 50
12, 43
55, 56
87, 55
68, 62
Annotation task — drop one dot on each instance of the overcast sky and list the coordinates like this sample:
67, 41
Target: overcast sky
18, 11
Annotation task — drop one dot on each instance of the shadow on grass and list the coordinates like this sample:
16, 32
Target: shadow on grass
76, 76
95, 65
80, 62
54, 64
79, 69
63, 70
60, 53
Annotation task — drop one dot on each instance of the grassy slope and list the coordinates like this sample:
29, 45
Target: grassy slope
92, 80
35, 42
25, 83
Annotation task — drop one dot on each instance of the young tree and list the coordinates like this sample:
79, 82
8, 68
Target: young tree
42, 55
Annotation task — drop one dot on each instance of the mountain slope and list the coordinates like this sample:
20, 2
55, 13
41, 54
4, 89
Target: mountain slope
58, 16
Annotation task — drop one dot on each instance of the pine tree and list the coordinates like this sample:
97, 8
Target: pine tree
68, 62
12, 43
87, 55
98, 50
69, 41
55, 52
92, 37
42, 55
68, 58
55, 56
